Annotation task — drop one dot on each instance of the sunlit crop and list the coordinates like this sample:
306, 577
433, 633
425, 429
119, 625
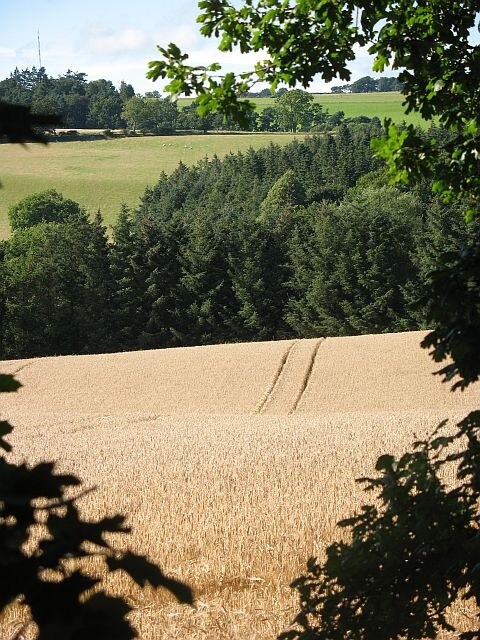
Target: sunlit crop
232, 462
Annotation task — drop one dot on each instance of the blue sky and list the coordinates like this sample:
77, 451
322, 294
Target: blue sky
112, 40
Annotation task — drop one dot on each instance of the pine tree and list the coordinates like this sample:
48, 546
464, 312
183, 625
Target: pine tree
98, 288
128, 289
261, 268
248, 272
361, 257
161, 243
206, 292
444, 233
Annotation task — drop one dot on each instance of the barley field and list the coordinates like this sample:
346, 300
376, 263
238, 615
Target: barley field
232, 462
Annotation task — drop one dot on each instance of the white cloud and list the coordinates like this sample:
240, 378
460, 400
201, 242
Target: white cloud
103, 43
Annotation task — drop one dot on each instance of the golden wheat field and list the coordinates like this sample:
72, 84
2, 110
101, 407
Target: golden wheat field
233, 462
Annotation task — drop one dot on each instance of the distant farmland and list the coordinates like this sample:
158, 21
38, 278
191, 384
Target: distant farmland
380, 105
232, 462
102, 174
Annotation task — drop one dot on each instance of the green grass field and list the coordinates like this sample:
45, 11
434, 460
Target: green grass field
381, 105
104, 173
101, 174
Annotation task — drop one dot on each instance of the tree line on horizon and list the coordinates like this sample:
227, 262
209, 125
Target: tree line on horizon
98, 104
297, 241
367, 84
80, 104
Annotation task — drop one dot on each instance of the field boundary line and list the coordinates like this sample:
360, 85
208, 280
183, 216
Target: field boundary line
276, 379
307, 376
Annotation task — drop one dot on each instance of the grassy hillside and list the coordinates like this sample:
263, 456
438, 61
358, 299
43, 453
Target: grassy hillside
104, 173
233, 462
381, 105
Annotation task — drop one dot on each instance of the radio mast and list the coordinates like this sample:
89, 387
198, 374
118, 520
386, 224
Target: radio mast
39, 52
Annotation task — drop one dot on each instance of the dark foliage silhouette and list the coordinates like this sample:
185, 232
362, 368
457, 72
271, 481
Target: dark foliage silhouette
19, 124
411, 555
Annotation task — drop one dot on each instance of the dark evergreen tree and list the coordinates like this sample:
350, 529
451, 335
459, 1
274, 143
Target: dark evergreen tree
259, 269
246, 270
128, 289
361, 257
206, 291
99, 288
161, 244
444, 233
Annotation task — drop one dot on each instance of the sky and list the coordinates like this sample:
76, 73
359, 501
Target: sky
115, 40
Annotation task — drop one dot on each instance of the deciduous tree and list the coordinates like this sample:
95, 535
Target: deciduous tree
45, 206
150, 115
295, 110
